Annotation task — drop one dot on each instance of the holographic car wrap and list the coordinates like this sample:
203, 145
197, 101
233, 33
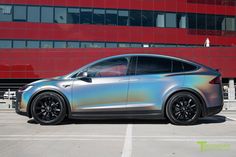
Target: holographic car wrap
125, 93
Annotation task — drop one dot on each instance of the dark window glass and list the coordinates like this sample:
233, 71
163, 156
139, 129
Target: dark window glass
123, 18
188, 67
111, 45
19, 44
73, 44
220, 22
60, 15
135, 17
147, 18
47, 14
111, 17
109, 68
201, 21
59, 44
192, 21
46, 44
86, 16
153, 65
5, 13
171, 20
181, 20
32, 44
211, 22
19, 13
5, 43
73, 15
177, 66
33, 14
98, 16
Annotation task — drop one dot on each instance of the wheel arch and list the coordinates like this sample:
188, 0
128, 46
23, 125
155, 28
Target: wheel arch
194, 92
68, 108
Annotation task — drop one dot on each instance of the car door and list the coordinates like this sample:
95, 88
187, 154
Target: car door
105, 88
149, 84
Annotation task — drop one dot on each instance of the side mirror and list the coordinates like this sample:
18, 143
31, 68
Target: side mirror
84, 77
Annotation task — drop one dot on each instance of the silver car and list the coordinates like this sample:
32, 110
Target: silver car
126, 86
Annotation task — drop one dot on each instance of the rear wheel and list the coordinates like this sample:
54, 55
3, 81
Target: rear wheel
183, 108
48, 108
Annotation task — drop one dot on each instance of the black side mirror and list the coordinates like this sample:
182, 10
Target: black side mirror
84, 77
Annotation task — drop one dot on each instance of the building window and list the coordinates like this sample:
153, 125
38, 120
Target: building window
220, 22
47, 14
230, 23
59, 44
135, 17
73, 15
5, 13
19, 44
33, 14
123, 45
32, 44
182, 20
123, 18
98, 16
147, 18
192, 21
136, 45
111, 17
86, 16
60, 15
86, 44
73, 44
5, 43
201, 21
160, 20
19, 13
211, 22
111, 45
46, 44
171, 20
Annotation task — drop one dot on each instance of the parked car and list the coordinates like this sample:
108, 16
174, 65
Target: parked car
126, 86
9, 95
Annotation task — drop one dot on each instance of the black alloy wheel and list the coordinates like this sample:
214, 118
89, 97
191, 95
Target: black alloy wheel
48, 108
183, 108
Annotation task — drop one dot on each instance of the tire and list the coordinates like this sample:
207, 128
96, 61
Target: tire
48, 108
183, 108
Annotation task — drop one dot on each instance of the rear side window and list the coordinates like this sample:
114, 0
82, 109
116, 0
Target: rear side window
179, 66
153, 65
189, 67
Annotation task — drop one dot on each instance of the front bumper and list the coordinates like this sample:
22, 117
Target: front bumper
19, 104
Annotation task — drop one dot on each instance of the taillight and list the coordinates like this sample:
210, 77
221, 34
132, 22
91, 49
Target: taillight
216, 80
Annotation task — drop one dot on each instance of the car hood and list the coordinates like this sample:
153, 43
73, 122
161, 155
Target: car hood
47, 80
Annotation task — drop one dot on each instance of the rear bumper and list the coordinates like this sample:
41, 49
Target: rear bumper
213, 110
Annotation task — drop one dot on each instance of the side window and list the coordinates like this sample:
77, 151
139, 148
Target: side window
189, 67
177, 66
153, 65
109, 68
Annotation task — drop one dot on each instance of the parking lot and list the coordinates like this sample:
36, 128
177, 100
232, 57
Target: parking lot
20, 136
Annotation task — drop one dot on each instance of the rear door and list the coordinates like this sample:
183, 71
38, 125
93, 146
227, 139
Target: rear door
147, 86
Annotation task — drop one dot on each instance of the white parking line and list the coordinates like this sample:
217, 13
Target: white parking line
127, 148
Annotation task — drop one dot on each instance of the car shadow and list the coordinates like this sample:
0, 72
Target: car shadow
206, 120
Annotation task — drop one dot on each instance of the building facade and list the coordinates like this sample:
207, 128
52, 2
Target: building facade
41, 39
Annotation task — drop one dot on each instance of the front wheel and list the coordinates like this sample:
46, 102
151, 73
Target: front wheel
183, 108
48, 108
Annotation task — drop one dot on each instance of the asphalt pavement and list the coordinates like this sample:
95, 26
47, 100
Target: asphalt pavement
211, 136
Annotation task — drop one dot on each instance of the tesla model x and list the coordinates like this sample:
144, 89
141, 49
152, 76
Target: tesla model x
126, 86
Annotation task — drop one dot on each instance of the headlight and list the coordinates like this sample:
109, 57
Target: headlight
25, 88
